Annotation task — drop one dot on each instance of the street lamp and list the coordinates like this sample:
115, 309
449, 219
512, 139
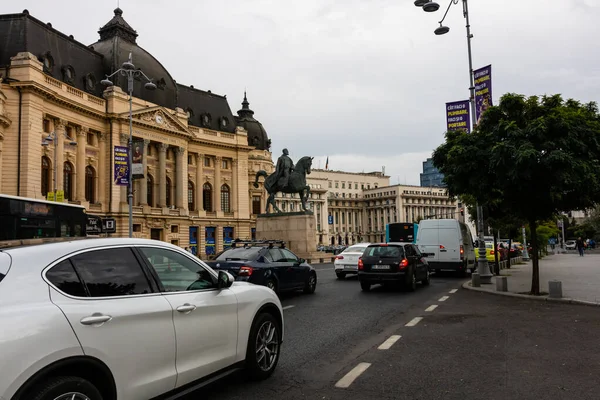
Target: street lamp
128, 69
53, 137
430, 6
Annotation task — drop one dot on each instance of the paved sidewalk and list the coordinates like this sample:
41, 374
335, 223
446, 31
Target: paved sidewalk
580, 276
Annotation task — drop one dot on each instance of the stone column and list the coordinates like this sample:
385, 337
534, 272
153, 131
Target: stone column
59, 157
102, 172
199, 183
180, 177
217, 188
234, 186
124, 139
144, 181
162, 174
80, 169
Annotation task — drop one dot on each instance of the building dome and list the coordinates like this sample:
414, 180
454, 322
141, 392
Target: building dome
257, 136
117, 41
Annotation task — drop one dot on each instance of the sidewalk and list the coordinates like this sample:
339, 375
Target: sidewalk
580, 276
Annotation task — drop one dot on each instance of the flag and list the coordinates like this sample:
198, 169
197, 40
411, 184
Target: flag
327, 163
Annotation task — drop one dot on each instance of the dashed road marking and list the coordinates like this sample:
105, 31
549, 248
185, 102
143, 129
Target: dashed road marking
454, 291
288, 307
414, 321
443, 298
351, 376
389, 343
431, 308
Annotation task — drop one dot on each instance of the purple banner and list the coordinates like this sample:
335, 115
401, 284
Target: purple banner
121, 166
458, 116
483, 90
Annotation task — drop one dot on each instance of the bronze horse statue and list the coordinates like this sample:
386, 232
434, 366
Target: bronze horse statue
296, 183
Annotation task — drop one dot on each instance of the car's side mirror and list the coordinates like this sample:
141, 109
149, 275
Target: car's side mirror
225, 280
301, 261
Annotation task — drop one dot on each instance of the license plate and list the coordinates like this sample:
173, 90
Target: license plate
380, 267
351, 267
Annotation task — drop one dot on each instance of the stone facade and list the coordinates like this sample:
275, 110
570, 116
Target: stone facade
194, 177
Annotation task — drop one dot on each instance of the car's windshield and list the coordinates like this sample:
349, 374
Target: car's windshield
355, 249
385, 251
240, 254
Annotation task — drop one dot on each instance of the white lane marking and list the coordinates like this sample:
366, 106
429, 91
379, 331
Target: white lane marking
351, 376
287, 307
389, 343
431, 308
443, 298
414, 321
454, 291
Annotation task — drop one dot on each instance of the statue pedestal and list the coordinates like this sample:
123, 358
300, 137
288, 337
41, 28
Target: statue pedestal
298, 230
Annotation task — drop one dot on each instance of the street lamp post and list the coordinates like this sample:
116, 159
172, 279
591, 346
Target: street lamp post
53, 137
128, 69
431, 6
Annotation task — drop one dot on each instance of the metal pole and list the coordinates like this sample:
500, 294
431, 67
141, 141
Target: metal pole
482, 264
525, 252
563, 234
55, 164
129, 180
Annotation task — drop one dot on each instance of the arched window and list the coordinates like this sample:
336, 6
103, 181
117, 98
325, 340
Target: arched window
207, 197
68, 180
191, 196
90, 180
150, 192
168, 189
225, 195
45, 175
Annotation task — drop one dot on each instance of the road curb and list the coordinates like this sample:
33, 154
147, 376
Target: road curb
467, 285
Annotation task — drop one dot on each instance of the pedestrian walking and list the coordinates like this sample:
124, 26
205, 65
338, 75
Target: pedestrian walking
580, 244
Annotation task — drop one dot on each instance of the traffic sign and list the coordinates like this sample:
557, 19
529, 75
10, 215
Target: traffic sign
93, 225
109, 225
330, 219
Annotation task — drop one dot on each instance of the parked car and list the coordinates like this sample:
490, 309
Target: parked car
447, 244
384, 263
126, 319
347, 261
570, 245
490, 253
267, 263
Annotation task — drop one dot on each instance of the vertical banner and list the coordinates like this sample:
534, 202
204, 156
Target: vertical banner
483, 90
227, 237
194, 239
210, 248
121, 166
137, 166
458, 116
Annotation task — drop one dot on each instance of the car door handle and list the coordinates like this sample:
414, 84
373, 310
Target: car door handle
186, 308
95, 319
443, 251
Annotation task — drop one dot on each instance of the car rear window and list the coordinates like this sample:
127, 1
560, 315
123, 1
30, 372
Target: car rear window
4, 265
384, 251
355, 249
240, 254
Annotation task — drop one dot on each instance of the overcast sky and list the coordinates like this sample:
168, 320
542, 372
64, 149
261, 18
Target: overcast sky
363, 82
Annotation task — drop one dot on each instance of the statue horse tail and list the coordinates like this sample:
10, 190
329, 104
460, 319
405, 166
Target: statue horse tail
259, 174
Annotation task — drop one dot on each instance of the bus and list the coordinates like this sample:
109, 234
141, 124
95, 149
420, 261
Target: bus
401, 232
23, 218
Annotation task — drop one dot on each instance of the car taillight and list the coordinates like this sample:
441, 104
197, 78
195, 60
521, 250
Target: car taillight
462, 251
245, 271
361, 266
339, 257
442, 247
492, 252
403, 263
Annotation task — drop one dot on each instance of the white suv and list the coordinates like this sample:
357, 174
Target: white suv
126, 319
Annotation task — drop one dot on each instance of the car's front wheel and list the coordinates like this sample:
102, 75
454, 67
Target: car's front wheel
66, 388
263, 347
427, 279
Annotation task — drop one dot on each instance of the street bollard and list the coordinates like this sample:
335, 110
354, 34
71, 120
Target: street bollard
555, 289
502, 284
475, 279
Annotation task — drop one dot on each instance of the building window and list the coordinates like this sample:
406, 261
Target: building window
224, 164
343, 185
168, 189
68, 180
90, 179
190, 160
337, 185
45, 175
356, 186
256, 206
47, 126
150, 192
206, 161
207, 197
90, 138
225, 206
329, 185
191, 197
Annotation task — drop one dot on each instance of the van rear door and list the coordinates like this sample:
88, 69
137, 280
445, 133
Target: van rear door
428, 242
450, 241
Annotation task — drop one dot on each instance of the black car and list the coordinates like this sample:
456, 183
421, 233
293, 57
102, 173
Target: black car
267, 263
392, 263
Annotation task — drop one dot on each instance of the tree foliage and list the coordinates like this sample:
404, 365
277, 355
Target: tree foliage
529, 157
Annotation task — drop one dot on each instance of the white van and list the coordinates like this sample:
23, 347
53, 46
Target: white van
447, 245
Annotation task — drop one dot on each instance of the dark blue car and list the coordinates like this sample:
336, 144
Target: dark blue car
267, 263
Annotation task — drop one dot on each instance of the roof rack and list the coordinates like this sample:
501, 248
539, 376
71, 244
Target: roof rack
249, 243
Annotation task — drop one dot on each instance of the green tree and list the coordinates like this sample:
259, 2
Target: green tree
533, 156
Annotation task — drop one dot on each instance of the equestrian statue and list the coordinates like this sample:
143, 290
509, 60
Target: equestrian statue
287, 178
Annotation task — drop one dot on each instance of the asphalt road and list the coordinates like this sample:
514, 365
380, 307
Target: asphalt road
327, 332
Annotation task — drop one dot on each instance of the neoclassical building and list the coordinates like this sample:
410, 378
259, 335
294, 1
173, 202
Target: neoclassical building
60, 130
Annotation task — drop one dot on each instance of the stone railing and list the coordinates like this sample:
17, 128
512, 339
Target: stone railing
70, 91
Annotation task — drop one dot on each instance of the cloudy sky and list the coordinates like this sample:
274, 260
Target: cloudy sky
362, 82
